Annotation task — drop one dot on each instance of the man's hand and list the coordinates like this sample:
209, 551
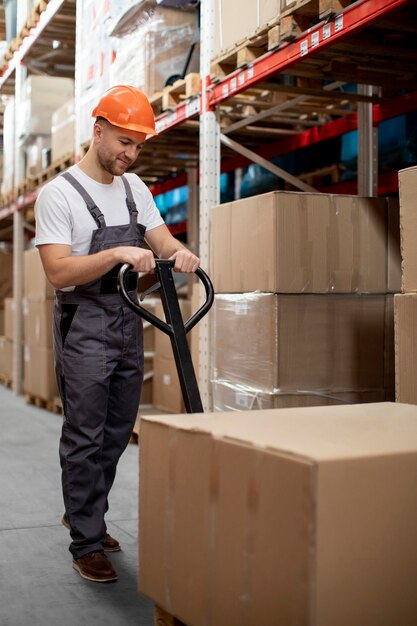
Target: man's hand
140, 259
185, 261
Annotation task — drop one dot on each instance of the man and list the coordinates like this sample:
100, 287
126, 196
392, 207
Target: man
89, 221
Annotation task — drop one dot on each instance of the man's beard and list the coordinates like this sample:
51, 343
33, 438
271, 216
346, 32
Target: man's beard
112, 166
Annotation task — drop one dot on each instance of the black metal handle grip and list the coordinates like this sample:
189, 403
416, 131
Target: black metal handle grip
150, 317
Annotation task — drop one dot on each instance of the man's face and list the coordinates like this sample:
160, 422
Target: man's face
117, 148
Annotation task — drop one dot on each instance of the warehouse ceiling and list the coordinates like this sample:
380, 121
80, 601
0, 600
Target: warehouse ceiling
313, 91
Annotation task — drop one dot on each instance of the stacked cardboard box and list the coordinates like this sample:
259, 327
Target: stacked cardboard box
39, 375
405, 304
291, 516
6, 331
303, 306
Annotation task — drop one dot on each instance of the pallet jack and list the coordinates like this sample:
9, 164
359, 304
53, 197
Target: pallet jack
174, 325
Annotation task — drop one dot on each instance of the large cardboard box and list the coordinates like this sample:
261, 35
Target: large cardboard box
299, 517
41, 96
9, 316
39, 374
295, 242
301, 342
394, 246
35, 284
235, 397
405, 311
6, 358
407, 180
166, 389
37, 322
232, 25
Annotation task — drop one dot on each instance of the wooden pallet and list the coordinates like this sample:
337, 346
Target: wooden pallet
7, 198
56, 407
172, 95
60, 165
328, 175
31, 21
6, 381
163, 618
41, 403
296, 17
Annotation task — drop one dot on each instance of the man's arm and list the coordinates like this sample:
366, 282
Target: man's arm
64, 269
166, 246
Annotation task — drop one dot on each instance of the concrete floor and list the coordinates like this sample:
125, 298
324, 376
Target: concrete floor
37, 583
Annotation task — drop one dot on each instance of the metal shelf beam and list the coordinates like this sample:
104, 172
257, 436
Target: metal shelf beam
45, 17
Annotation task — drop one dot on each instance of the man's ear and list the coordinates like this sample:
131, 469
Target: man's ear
97, 130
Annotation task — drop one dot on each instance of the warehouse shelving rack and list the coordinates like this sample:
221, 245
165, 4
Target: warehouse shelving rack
243, 110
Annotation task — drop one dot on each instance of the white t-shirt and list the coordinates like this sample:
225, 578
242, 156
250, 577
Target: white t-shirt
62, 216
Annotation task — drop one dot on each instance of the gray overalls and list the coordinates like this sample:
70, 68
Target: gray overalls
98, 344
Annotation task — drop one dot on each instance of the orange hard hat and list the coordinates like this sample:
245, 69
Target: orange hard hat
127, 107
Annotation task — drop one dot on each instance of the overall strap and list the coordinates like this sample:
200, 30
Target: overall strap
91, 205
130, 202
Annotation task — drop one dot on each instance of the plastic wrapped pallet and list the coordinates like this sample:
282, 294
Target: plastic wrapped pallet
151, 44
229, 396
301, 343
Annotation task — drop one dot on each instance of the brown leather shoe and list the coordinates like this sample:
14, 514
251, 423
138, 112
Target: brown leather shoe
95, 566
110, 544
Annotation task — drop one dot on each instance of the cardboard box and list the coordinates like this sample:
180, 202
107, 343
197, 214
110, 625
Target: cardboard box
407, 180
6, 358
293, 516
297, 242
35, 284
63, 131
9, 315
166, 389
232, 25
301, 342
405, 313
39, 373
37, 322
41, 96
234, 397
394, 246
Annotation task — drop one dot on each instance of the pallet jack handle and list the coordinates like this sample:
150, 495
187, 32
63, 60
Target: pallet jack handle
174, 326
